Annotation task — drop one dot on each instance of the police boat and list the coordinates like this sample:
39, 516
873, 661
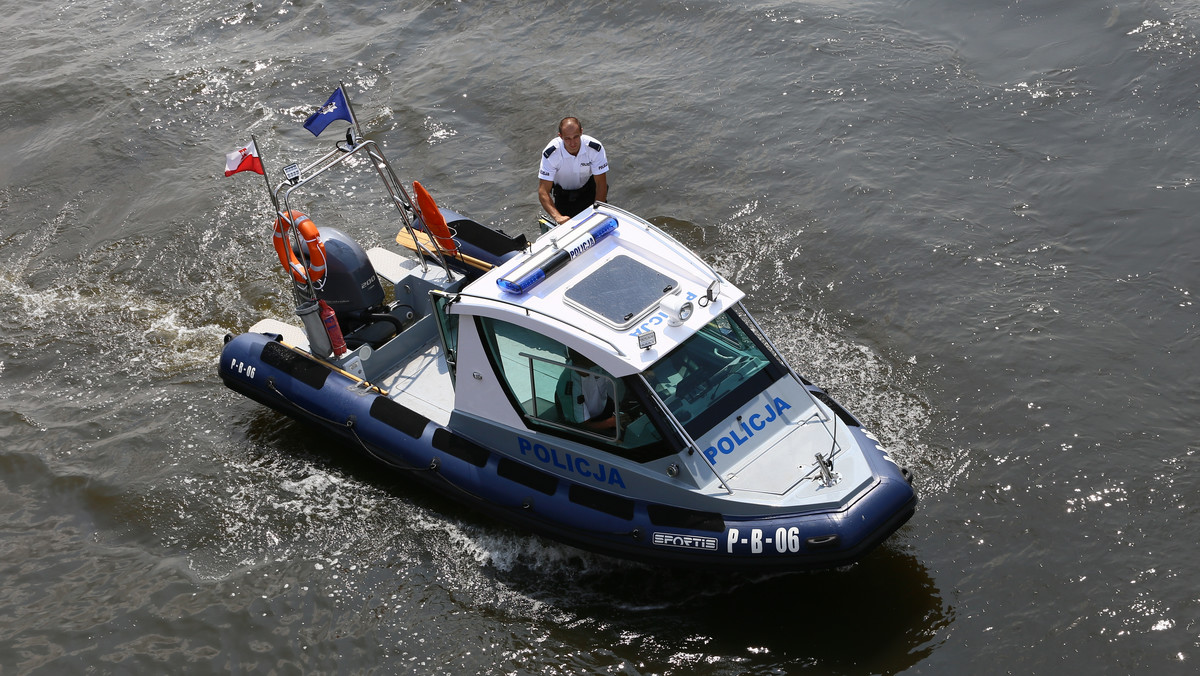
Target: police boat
602, 385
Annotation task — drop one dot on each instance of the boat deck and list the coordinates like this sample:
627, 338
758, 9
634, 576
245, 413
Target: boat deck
422, 382
423, 385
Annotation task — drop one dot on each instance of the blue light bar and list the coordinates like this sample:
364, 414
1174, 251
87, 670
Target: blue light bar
547, 261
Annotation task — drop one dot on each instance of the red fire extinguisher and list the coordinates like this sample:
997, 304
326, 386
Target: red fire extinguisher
332, 328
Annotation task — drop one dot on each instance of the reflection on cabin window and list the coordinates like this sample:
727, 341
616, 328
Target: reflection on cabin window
530, 365
563, 392
712, 373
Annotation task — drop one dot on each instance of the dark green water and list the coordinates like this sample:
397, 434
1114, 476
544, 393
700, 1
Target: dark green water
975, 224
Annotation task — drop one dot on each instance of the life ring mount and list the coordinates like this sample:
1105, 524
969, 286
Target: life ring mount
315, 270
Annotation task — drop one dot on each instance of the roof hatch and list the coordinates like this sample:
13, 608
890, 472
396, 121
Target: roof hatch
620, 292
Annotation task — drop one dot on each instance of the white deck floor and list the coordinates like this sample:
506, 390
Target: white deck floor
423, 385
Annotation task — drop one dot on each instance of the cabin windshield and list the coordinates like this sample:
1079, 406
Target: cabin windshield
713, 373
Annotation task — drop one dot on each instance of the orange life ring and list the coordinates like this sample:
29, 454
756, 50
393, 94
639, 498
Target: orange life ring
434, 222
287, 257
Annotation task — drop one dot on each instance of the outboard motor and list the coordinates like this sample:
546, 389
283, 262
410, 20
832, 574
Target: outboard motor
350, 285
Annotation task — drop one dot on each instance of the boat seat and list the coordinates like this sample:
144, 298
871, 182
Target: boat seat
374, 334
499, 244
378, 328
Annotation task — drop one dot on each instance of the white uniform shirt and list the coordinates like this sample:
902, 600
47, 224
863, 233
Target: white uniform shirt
582, 395
572, 172
595, 395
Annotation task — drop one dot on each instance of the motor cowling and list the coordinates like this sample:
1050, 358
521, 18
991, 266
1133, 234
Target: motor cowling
350, 285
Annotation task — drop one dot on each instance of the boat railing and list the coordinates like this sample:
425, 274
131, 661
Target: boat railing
693, 447
674, 243
662, 236
296, 178
836, 448
664, 410
665, 238
405, 204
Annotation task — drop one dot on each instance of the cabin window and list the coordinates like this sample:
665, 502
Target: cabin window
562, 392
713, 373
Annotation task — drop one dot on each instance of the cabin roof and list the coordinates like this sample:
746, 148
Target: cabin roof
625, 283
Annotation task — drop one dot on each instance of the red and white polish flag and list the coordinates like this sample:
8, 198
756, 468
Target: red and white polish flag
243, 159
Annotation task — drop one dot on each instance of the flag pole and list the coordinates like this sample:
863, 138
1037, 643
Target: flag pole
270, 191
350, 107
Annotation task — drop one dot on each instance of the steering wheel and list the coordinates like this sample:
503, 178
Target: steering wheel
632, 407
721, 355
727, 372
732, 365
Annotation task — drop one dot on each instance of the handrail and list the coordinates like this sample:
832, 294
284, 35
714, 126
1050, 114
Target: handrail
663, 409
398, 195
404, 206
681, 431
665, 238
581, 430
779, 355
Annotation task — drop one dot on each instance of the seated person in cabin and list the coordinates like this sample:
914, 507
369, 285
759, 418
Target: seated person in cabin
587, 399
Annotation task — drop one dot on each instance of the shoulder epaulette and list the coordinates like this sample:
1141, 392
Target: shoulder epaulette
594, 145
548, 151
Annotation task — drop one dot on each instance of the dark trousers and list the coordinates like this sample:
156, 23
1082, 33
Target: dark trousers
571, 202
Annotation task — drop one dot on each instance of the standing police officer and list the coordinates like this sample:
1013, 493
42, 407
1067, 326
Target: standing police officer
573, 173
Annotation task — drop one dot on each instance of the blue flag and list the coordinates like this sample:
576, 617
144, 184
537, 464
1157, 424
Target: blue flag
336, 108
